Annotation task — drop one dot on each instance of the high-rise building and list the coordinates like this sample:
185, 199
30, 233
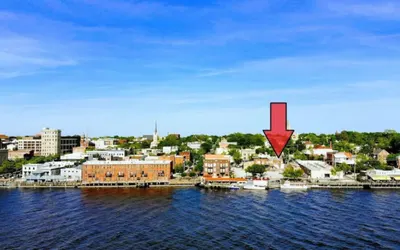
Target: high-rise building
51, 142
31, 143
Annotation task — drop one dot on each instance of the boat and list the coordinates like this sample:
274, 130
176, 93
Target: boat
294, 186
234, 187
256, 185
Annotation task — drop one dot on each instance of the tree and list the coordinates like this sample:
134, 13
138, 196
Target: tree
300, 156
255, 169
237, 157
206, 147
292, 173
179, 169
192, 174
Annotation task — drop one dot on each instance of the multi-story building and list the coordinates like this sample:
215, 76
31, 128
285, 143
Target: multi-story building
186, 156
126, 171
381, 155
49, 171
20, 154
105, 143
68, 143
216, 165
51, 142
247, 153
31, 143
341, 157
3, 155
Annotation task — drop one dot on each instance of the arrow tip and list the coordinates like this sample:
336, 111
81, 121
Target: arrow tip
278, 140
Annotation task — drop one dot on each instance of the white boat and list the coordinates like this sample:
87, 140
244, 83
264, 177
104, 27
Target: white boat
256, 184
234, 187
296, 186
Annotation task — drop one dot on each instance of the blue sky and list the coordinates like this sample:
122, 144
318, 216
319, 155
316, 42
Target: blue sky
109, 67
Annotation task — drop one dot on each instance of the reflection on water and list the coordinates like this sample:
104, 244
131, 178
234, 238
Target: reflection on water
184, 218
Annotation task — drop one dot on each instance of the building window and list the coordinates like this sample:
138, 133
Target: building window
108, 174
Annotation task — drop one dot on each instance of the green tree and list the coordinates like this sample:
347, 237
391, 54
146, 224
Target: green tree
255, 169
192, 174
237, 157
179, 169
292, 173
206, 147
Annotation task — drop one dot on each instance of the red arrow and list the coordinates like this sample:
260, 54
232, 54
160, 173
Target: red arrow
278, 136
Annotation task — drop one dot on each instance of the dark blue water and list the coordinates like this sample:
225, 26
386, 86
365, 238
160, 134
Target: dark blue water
189, 218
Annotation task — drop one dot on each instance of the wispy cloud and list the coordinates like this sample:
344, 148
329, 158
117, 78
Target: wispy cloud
374, 9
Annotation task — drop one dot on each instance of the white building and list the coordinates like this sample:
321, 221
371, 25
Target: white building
51, 142
384, 175
342, 157
319, 150
105, 143
316, 169
154, 143
247, 153
71, 174
194, 145
31, 143
107, 153
169, 149
74, 157
50, 171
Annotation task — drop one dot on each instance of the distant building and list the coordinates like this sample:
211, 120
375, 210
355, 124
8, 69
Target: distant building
105, 143
268, 161
319, 150
51, 142
186, 156
381, 155
20, 154
247, 153
68, 143
316, 169
31, 143
216, 165
3, 155
169, 149
308, 145
225, 144
222, 151
194, 145
384, 175
107, 153
341, 157
154, 143
74, 157
126, 171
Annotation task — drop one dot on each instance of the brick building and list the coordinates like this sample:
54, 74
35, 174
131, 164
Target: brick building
186, 155
126, 171
216, 165
20, 154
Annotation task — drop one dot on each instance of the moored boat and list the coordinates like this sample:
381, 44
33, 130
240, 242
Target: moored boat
256, 185
294, 186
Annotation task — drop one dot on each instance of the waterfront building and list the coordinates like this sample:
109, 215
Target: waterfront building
126, 171
315, 169
51, 142
154, 143
49, 171
3, 155
216, 165
381, 155
384, 175
71, 174
68, 143
31, 143
20, 154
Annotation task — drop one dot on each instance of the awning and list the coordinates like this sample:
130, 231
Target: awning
397, 178
380, 178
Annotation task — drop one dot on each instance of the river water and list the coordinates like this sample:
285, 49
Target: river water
190, 218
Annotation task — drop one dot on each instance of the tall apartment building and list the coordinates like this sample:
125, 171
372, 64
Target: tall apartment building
31, 143
51, 142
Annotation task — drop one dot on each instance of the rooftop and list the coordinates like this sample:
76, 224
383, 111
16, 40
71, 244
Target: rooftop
128, 162
314, 165
216, 157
